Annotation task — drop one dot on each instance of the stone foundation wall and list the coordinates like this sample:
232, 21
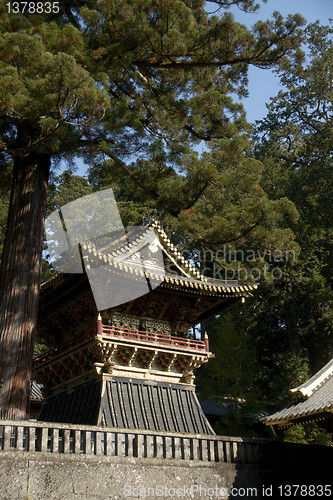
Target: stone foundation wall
45, 461
31, 476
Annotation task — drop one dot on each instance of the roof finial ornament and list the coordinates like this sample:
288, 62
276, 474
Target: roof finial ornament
150, 218
206, 340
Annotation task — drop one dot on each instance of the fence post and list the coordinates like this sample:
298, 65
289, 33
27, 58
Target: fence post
44, 439
186, 443
19, 439
137, 445
148, 446
108, 444
203, 449
7, 432
77, 442
119, 445
167, 446
32, 439
97, 443
211, 450
99, 325
55, 441
206, 340
219, 451
196, 449
177, 449
227, 452
158, 447
234, 449
129, 445
66, 441
87, 442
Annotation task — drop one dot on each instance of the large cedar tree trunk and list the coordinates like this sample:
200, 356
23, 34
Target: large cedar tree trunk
20, 281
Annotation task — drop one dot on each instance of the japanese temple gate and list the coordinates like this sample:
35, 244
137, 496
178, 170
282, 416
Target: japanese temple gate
129, 366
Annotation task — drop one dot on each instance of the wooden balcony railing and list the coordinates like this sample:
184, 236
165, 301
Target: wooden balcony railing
121, 334
142, 336
45, 437
65, 347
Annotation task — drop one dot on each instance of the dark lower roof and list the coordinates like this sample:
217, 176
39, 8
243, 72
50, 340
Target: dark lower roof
320, 401
135, 404
214, 407
80, 406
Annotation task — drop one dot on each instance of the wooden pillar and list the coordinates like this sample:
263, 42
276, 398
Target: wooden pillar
99, 325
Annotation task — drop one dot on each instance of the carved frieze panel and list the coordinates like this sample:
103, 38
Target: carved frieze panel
121, 320
160, 327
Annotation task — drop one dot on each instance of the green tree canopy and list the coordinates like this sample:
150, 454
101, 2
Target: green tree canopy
294, 142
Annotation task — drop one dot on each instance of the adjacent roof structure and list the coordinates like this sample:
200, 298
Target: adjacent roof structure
316, 402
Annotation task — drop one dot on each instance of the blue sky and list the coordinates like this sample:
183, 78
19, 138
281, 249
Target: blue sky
264, 84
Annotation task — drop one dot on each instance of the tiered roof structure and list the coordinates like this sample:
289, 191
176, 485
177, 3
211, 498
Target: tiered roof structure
132, 364
313, 402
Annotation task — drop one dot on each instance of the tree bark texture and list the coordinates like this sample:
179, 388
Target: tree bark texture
20, 281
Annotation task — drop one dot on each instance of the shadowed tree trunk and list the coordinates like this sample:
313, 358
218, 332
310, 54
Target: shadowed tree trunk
292, 330
20, 281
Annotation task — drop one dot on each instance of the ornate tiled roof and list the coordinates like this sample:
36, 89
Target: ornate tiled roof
318, 391
119, 256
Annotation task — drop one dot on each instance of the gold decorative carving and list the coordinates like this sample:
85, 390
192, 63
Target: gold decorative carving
160, 327
121, 320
